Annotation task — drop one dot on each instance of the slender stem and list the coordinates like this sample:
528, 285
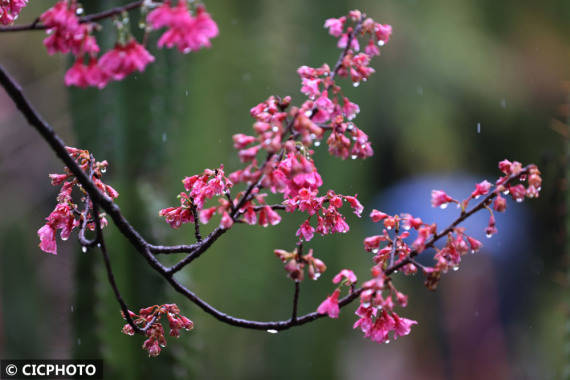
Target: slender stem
196, 223
295, 301
110, 276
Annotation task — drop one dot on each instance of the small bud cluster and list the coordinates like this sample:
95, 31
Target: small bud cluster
148, 320
68, 34
295, 264
66, 215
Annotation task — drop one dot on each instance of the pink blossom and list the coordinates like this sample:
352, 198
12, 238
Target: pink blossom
241, 140
349, 109
83, 76
505, 166
47, 239
440, 199
373, 242
226, 221
355, 204
335, 26
518, 192
474, 243
330, 305
10, 9
345, 274
122, 60
500, 203
268, 216
310, 87
402, 326
306, 231
206, 214
343, 41
250, 216
176, 216
377, 216
371, 49
184, 31
481, 188
383, 33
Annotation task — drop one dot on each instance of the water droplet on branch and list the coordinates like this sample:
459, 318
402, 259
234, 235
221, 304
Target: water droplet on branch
272, 331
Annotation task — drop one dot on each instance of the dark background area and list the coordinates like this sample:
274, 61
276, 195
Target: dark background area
449, 67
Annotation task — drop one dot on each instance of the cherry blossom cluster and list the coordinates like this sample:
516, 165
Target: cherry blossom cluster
66, 214
148, 319
67, 33
394, 249
199, 189
10, 9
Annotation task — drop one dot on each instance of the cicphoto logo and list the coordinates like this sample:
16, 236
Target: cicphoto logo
51, 369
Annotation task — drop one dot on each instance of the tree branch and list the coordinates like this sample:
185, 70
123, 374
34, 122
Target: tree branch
37, 25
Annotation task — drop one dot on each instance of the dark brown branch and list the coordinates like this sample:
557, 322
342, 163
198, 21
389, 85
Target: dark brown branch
37, 25
295, 301
196, 223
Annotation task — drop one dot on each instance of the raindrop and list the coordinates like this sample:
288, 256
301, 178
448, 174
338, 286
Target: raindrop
381, 43
506, 192
356, 84
272, 331
103, 169
476, 197
354, 156
98, 245
64, 238
84, 249
317, 143
375, 250
79, 11
478, 127
313, 136
164, 137
407, 227
387, 341
350, 126
443, 206
455, 269
354, 138
308, 113
519, 200
488, 235
389, 228
395, 272
472, 251
317, 275
267, 141
274, 128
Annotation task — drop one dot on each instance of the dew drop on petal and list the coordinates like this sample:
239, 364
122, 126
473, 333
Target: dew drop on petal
387, 341
381, 43
274, 128
356, 84
354, 156
519, 200
443, 206
84, 249
488, 236
272, 331
317, 143
375, 250
103, 170
506, 192
308, 113
455, 269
